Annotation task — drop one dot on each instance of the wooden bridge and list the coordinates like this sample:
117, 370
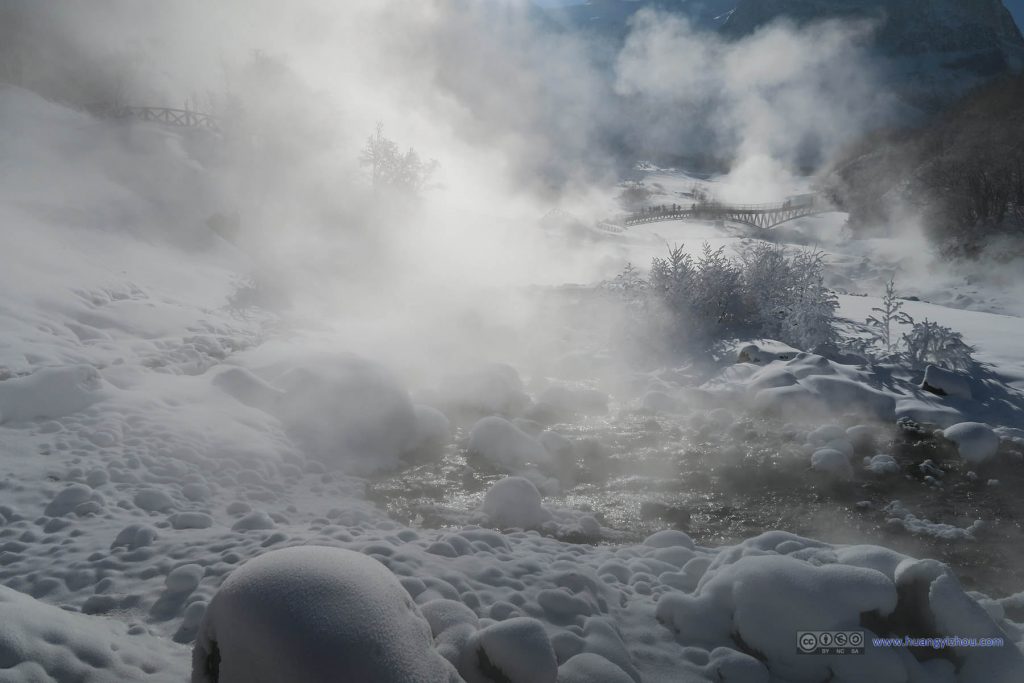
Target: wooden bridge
763, 216
181, 118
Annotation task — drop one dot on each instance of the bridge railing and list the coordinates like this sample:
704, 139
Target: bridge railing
182, 118
788, 210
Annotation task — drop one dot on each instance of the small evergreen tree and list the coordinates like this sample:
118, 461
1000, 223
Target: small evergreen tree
888, 315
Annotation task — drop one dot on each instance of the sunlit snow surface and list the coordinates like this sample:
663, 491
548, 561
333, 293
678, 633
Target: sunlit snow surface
152, 441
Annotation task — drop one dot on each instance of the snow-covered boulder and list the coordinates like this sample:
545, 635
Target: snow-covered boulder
881, 464
516, 650
433, 433
832, 463
50, 392
515, 502
588, 667
505, 445
69, 498
765, 351
946, 382
315, 614
349, 413
977, 443
765, 599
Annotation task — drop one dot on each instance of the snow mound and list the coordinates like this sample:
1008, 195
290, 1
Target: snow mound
588, 667
315, 614
40, 642
433, 432
946, 383
977, 443
765, 351
881, 464
516, 650
505, 445
832, 463
50, 392
349, 413
765, 599
515, 502
796, 384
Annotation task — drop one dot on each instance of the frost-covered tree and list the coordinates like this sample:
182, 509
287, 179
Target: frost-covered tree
924, 343
889, 314
928, 343
391, 169
765, 292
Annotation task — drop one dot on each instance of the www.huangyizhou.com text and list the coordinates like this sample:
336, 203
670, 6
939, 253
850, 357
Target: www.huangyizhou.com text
937, 643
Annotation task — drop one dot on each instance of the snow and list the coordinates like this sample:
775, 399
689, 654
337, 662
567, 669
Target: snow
977, 443
519, 648
505, 445
515, 502
833, 463
349, 413
173, 475
946, 383
315, 614
40, 642
587, 667
881, 464
50, 392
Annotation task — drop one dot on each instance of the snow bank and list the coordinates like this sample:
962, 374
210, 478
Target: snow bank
946, 383
50, 392
40, 642
315, 614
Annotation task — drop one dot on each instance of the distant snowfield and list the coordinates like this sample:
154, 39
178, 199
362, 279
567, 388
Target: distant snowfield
152, 442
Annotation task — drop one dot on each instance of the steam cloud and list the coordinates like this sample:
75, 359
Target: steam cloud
521, 116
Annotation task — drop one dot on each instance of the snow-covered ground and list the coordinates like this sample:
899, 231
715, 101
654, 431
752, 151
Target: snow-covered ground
154, 440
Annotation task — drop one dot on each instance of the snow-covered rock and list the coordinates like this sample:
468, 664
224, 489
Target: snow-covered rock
315, 614
588, 667
433, 432
881, 464
946, 382
765, 351
50, 392
505, 445
977, 443
518, 649
515, 502
833, 463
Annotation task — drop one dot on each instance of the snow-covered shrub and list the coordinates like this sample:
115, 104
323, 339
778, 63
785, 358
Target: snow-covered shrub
925, 343
767, 291
928, 343
315, 614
